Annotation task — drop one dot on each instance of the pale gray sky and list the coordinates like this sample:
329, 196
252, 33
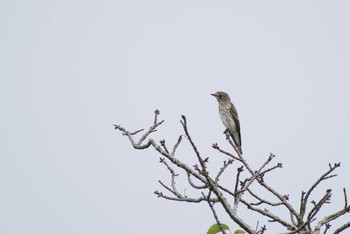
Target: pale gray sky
71, 69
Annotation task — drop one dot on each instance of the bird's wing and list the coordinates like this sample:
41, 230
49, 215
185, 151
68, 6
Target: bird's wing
234, 113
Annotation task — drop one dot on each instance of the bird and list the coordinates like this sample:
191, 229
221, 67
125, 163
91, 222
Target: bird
229, 117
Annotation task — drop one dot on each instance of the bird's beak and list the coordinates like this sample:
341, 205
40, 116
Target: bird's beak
213, 94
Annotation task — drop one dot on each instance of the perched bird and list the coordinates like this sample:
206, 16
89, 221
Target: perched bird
229, 117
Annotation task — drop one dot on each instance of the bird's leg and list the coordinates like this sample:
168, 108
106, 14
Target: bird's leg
226, 132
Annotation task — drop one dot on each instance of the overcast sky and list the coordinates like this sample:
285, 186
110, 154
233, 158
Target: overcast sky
71, 69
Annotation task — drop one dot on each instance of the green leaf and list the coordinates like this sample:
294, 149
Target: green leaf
239, 231
215, 228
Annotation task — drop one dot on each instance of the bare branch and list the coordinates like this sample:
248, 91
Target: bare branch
176, 145
193, 185
218, 193
262, 230
249, 181
333, 216
162, 143
342, 228
278, 165
281, 197
216, 146
268, 214
239, 171
212, 185
322, 178
214, 212
137, 131
262, 201
328, 226
178, 195
184, 199
152, 128
238, 193
345, 198
173, 175
158, 148
317, 206
194, 147
226, 164
238, 153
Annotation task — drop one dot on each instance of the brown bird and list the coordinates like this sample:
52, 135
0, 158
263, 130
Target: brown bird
229, 117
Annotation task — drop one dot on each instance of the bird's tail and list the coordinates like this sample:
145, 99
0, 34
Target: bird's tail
237, 141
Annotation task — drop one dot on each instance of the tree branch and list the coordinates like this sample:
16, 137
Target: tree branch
214, 212
218, 193
305, 198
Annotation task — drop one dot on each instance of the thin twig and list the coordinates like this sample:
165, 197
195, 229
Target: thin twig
226, 164
216, 146
328, 226
173, 175
193, 185
184, 199
214, 212
308, 193
176, 145
345, 198
152, 128
162, 143
325, 199
281, 197
342, 228
262, 201
268, 214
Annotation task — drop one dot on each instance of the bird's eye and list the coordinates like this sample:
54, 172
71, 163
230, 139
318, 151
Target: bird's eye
220, 95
